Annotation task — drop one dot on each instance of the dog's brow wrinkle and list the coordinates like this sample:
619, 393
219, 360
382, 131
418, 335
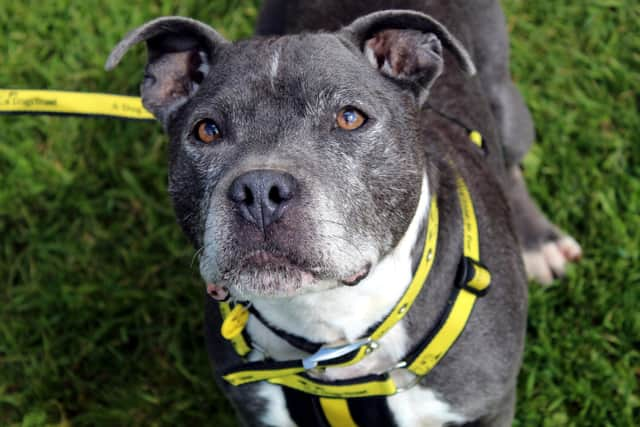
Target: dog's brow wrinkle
275, 60
274, 64
319, 102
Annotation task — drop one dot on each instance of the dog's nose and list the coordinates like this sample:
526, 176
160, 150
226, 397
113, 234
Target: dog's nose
262, 195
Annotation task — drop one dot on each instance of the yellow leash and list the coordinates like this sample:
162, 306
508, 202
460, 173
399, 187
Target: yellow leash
73, 103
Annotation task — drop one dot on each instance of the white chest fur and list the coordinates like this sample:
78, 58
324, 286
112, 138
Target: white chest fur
421, 407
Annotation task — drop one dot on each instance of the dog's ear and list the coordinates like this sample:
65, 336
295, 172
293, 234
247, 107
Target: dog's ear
180, 51
407, 46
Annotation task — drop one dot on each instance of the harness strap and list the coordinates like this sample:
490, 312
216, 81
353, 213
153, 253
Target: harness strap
337, 412
313, 411
369, 385
472, 281
294, 340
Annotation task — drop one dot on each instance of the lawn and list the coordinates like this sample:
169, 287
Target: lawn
100, 303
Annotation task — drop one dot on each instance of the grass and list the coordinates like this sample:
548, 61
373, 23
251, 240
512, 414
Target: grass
100, 307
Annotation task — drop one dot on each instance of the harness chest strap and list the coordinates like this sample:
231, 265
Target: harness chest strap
473, 282
337, 412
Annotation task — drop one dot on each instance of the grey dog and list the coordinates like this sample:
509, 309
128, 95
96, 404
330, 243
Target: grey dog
303, 164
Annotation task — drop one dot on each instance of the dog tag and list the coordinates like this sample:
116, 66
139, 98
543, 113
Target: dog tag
235, 322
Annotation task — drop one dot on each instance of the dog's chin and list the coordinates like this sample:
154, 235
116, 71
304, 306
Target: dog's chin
265, 274
272, 282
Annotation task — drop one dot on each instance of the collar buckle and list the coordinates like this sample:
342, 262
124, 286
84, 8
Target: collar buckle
326, 354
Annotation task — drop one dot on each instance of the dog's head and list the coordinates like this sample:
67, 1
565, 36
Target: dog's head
294, 162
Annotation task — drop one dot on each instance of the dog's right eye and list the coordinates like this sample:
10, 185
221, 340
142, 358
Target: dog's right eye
206, 131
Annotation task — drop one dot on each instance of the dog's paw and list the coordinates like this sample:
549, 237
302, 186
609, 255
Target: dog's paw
549, 261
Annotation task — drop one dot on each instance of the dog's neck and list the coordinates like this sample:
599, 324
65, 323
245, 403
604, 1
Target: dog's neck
345, 313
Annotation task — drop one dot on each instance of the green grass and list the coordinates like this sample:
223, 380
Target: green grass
100, 306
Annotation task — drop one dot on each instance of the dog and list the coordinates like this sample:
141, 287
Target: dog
350, 178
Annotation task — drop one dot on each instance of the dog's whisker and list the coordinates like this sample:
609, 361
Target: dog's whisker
196, 255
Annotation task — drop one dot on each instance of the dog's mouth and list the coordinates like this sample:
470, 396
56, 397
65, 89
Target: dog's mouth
270, 274
265, 273
268, 260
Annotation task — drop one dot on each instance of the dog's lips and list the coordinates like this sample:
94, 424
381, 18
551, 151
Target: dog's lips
356, 278
273, 273
265, 259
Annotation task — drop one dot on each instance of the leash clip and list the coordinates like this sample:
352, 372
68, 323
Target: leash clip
330, 353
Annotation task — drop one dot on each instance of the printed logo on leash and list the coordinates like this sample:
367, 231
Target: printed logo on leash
18, 101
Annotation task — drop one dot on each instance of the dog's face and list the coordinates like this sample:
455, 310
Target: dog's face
312, 178
294, 162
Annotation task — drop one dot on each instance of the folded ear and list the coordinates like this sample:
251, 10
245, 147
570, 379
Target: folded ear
407, 46
180, 51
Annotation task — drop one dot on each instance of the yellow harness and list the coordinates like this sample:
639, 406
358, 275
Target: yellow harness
472, 282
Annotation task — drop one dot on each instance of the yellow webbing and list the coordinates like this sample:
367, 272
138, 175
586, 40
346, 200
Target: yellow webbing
471, 240
445, 338
464, 302
337, 412
382, 387
251, 376
77, 103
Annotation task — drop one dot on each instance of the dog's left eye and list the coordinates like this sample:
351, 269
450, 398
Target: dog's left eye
207, 131
350, 118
